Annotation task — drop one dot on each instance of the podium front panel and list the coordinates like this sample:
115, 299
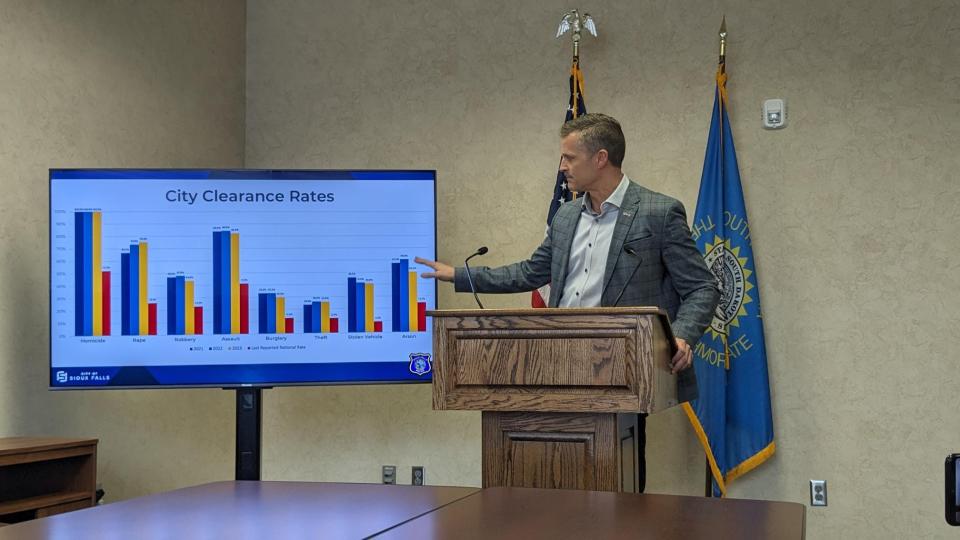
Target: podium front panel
553, 360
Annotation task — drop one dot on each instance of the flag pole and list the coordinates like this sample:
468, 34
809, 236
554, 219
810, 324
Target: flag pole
723, 40
576, 48
576, 84
708, 485
708, 482
576, 23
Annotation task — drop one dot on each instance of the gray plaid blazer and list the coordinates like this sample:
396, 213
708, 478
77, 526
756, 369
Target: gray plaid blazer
653, 261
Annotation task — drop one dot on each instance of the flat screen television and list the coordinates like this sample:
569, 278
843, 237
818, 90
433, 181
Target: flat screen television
233, 278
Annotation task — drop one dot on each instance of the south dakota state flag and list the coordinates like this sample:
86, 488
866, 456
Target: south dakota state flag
732, 416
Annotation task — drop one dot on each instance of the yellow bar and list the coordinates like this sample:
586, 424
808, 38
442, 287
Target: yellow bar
234, 283
324, 317
142, 293
281, 316
97, 275
188, 307
368, 306
412, 303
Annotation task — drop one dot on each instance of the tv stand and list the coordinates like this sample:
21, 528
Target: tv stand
249, 422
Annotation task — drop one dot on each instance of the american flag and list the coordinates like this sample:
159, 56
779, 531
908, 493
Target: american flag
561, 194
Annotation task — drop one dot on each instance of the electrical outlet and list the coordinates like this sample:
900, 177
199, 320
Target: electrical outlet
389, 474
818, 493
417, 477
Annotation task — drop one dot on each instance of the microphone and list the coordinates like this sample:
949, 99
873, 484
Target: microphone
629, 251
483, 250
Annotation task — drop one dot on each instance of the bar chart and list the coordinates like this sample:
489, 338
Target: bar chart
409, 310
230, 295
317, 319
231, 298
184, 316
138, 313
92, 281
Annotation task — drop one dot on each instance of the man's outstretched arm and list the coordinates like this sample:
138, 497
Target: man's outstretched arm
517, 277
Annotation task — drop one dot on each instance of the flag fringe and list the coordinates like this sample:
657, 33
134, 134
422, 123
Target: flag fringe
705, 442
741, 469
752, 462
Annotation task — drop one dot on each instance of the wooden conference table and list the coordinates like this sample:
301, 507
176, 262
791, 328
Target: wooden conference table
278, 510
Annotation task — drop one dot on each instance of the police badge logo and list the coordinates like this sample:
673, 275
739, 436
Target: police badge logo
730, 268
420, 363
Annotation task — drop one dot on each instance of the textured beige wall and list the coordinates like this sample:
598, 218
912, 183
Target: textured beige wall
110, 84
853, 209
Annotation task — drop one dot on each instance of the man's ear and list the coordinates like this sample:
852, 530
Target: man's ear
602, 158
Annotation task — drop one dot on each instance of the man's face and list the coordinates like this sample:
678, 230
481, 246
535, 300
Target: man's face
577, 164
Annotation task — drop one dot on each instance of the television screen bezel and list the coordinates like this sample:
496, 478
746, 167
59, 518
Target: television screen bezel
251, 174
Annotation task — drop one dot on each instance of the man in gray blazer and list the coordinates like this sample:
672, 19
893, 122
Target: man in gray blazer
618, 245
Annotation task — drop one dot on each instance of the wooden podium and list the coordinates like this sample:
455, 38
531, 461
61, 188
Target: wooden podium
550, 383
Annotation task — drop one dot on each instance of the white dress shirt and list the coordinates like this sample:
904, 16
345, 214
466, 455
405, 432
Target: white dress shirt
591, 245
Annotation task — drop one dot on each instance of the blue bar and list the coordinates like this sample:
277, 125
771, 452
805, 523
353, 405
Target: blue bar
87, 276
225, 296
351, 304
307, 319
125, 294
178, 306
395, 294
134, 289
262, 303
78, 272
404, 295
217, 277
315, 308
171, 301
252, 374
221, 273
361, 322
242, 174
272, 313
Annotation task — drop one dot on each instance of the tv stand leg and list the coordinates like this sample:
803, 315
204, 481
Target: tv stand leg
249, 417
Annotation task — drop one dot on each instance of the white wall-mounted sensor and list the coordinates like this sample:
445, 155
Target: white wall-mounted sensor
774, 114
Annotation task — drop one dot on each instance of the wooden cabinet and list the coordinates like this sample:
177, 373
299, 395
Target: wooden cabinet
43, 476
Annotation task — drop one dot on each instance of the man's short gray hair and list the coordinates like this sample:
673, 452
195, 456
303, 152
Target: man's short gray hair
598, 131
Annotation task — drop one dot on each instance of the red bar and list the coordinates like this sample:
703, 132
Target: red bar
378, 326
152, 318
289, 325
106, 304
197, 319
334, 325
244, 308
422, 316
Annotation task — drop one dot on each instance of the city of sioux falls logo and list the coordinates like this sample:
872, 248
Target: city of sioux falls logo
730, 268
